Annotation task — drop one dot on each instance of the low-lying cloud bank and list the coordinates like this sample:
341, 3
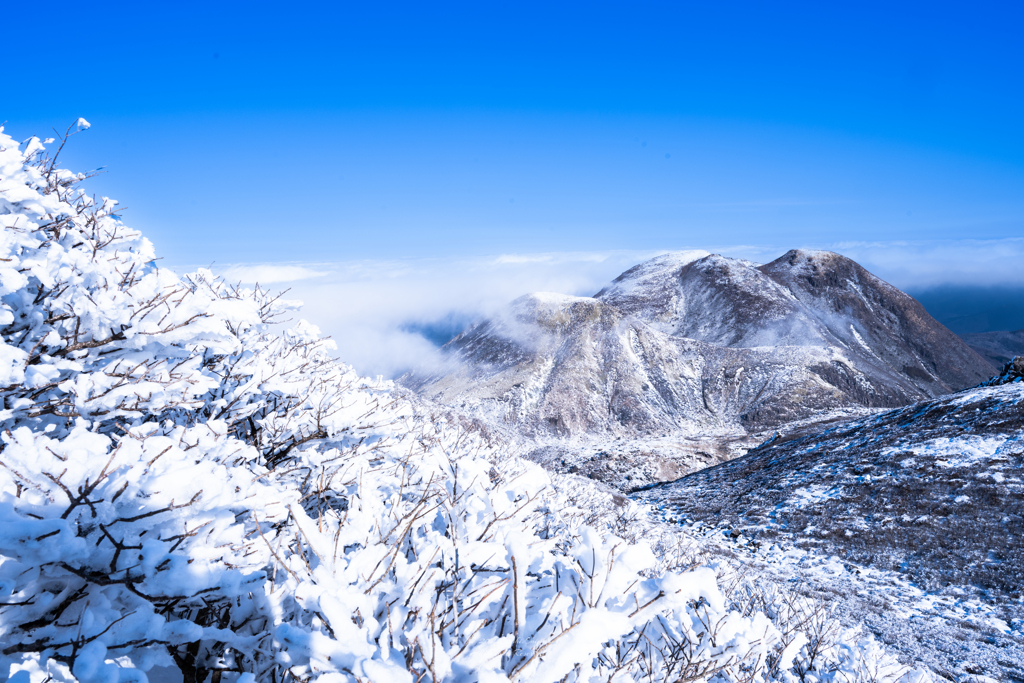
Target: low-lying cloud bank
389, 316
923, 264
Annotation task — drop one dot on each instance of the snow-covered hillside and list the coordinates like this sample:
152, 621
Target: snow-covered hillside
931, 494
180, 485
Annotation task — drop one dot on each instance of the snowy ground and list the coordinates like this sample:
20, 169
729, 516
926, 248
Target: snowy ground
632, 463
908, 522
955, 632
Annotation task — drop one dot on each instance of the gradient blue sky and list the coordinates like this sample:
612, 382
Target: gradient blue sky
249, 132
403, 164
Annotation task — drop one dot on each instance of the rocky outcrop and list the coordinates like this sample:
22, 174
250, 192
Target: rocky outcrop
1012, 372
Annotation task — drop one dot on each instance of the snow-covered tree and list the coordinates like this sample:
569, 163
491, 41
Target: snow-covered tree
183, 484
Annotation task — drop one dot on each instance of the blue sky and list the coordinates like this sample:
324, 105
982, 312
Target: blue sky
373, 129
259, 133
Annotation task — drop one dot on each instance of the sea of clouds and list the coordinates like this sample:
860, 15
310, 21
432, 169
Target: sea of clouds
387, 316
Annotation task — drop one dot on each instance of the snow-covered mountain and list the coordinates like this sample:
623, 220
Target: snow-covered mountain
932, 491
693, 344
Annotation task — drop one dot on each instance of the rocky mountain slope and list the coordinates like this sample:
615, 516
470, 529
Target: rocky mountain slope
932, 491
996, 347
693, 345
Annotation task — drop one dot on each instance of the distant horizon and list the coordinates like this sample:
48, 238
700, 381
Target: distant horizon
428, 141
385, 314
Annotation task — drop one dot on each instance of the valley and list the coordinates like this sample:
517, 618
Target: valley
801, 425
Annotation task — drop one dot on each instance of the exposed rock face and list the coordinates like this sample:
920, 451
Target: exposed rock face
697, 345
996, 347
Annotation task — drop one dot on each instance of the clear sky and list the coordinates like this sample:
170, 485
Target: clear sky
249, 131
255, 133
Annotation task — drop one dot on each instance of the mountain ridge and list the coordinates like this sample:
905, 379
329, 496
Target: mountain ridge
686, 341
996, 347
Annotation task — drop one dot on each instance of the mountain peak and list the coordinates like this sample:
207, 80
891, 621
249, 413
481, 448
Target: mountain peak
694, 340
548, 304
813, 269
795, 256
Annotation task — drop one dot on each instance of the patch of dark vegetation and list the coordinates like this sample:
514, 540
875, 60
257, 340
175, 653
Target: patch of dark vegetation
873, 491
936, 530
916, 373
933, 491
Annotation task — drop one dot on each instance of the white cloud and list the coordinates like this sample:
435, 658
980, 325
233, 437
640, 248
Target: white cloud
556, 257
920, 264
269, 273
367, 306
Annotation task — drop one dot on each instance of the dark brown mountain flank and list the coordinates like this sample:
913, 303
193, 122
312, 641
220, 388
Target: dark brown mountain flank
933, 489
893, 324
996, 347
696, 344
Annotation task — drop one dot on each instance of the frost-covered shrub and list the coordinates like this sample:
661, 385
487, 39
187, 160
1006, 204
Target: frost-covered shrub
128, 547
181, 485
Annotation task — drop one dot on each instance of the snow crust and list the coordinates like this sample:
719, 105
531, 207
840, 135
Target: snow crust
955, 451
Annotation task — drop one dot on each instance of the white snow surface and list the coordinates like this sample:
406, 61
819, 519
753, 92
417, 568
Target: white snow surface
956, 451
183, 486
639, 279
849, 592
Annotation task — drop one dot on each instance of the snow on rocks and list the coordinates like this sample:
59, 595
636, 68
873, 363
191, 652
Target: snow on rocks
1013, 371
